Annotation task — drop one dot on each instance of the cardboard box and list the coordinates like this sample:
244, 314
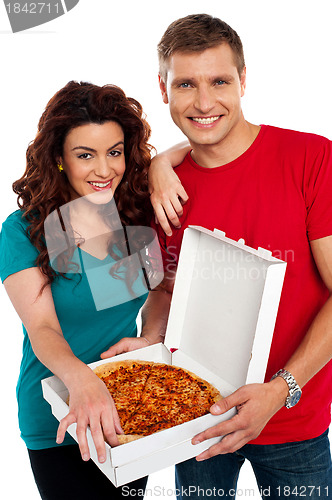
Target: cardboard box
221, 322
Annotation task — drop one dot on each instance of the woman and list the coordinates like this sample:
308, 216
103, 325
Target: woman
90, 154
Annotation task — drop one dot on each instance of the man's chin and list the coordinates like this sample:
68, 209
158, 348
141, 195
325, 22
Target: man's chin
205, 141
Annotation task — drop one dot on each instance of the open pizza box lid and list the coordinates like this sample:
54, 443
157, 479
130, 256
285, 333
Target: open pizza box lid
221, 322
224, 306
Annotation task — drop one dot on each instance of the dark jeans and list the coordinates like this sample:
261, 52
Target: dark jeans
61, 474
291, 470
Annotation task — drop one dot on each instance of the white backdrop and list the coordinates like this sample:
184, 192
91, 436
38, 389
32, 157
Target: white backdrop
288, 55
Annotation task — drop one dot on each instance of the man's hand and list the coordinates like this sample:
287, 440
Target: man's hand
126, 344
255, 404
167, 193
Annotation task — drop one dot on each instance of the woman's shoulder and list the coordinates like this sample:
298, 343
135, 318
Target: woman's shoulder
16, 250
15, 228
16, 218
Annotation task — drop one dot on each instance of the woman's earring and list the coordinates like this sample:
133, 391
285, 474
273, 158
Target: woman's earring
60, 167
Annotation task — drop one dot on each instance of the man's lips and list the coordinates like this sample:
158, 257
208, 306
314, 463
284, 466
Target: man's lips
100, 186
205, 120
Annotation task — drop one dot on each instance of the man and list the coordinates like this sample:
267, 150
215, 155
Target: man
271, 187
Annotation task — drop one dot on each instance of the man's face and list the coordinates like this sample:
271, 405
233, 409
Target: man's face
204, 93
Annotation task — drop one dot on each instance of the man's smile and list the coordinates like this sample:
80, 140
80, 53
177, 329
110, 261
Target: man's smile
208, 120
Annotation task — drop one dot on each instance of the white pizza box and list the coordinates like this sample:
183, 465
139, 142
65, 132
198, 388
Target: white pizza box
221, 322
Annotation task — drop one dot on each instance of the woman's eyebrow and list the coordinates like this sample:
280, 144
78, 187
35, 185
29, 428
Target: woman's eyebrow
93, 150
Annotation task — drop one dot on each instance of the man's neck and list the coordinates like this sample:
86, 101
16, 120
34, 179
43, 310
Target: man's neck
230, 148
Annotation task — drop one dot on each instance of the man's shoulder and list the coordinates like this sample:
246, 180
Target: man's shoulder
296, 137
187, 161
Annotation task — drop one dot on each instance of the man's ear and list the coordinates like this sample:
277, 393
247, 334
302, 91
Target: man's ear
163, 88
243, 81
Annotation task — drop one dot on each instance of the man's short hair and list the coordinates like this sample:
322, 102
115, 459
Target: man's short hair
195, 33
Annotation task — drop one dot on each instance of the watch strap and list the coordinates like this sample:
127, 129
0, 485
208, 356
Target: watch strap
293, 387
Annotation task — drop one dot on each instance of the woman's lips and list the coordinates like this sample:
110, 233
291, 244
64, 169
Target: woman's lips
100, 186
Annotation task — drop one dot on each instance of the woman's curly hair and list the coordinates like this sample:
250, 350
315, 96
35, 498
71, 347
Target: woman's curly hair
43, 188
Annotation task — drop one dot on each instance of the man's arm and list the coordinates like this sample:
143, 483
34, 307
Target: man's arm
316, 349
257, 403
155, 315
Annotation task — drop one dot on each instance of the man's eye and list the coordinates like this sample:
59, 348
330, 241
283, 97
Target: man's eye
185, 85
220, 82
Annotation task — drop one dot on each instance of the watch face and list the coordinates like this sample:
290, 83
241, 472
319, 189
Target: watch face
294, 398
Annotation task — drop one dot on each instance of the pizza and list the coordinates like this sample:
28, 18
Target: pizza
150, 397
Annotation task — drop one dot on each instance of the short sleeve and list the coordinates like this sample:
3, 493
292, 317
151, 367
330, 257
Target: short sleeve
16, 250
318, 189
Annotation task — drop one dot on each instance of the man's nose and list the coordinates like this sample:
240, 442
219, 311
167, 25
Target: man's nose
205, 100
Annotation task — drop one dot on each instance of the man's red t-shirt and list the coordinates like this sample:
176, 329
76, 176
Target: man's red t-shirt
277, 195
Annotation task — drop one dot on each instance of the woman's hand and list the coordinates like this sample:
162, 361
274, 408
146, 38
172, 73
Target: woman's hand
90, 404
167, 193
256, 404
126, 344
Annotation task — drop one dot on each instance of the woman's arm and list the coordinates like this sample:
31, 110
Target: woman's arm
90, 401
167, 192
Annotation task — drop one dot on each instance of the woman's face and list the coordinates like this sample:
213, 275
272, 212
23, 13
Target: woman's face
93, 160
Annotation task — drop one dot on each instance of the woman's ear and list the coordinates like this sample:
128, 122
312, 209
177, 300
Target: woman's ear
59, 164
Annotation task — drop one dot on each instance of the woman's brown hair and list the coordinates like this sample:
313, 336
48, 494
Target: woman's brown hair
43, 188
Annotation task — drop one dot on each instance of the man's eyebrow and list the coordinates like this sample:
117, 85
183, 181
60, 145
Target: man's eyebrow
178, 81
224, 77
93, 150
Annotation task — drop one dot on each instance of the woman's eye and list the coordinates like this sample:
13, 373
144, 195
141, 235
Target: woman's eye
115, 152
84, 156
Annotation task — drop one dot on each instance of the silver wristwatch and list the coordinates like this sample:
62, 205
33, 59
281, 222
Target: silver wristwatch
294, 389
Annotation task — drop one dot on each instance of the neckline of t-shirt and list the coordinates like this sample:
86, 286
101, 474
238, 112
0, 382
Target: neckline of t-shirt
93, 257
237, 160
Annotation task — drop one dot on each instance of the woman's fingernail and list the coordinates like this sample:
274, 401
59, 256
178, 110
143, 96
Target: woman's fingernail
86, 457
